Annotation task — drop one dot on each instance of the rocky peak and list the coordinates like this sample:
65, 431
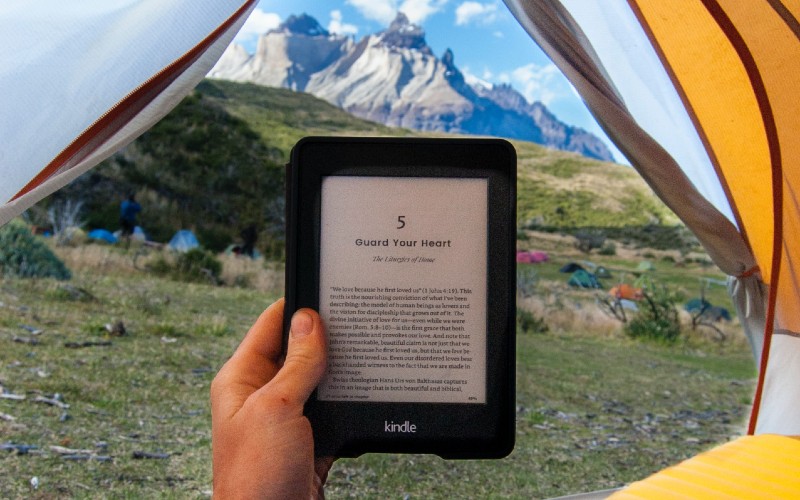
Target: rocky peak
402, 34
505, 95
303, 25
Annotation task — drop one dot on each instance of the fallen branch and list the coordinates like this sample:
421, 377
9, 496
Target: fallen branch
15, 397
32, 329
21, 449
144, 454
51, 402
96, 458
26, 340
61, 450
88, 343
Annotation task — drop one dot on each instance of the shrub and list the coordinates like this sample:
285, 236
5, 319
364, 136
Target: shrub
657, 318
528, 323
608, 249
198, 265
527, 280
587, 240
24, 256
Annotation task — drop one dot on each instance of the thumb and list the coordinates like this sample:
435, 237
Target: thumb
306, 358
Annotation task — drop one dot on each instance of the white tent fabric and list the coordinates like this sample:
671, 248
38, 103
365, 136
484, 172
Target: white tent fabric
80, 80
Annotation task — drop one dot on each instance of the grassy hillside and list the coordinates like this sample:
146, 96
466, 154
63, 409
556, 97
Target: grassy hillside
281, 117
215, 164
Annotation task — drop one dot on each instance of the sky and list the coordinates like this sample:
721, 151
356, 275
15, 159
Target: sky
486, 40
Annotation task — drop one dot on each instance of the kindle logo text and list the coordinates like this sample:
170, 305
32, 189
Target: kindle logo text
406, 427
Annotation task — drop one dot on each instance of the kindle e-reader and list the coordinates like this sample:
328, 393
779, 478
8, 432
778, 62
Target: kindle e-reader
406, 247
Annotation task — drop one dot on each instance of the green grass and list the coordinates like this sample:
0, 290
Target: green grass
592, 412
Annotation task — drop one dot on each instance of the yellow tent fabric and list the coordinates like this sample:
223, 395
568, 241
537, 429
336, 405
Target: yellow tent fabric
701, 98
751, 467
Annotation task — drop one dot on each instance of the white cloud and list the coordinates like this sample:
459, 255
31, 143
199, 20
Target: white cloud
475, 12
338, 27
540, 83
257, 24
384, 11
419, 10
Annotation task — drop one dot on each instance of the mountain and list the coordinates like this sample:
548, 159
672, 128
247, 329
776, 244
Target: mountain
394, 78
215, 164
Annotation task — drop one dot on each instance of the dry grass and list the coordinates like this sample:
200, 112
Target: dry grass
101, 259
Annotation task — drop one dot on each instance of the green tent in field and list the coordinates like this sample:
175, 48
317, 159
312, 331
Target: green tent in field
583, 279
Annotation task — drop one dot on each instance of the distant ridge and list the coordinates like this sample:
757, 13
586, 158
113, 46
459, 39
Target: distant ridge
394, 78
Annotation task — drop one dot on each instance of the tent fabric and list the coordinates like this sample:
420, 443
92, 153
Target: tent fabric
627, 292
728, 471
103, 235
571, 268
696, 305
73, 76
583, 279
183, 241
702, 102
603, 272
532, 257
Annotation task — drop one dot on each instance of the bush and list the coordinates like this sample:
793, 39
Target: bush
657, 318
24, 256
528, 323
608, 249
527, 280
196, 265
587, 240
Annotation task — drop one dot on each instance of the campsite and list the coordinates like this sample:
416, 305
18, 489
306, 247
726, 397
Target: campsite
129, 413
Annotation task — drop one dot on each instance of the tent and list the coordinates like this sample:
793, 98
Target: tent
626, 291
696, 305
702, 100
102, 235
102, 85
583, 279
717, 313
183, 241
603, 272
139, 234
571, 267
532, 257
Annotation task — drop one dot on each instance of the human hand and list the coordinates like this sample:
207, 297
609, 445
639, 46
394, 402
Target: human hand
262, 444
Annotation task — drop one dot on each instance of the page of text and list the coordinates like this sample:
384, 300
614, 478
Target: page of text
403, 289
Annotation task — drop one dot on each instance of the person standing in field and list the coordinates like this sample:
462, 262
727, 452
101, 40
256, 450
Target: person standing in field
128, 211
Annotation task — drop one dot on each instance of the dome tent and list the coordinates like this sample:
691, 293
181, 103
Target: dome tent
183, 241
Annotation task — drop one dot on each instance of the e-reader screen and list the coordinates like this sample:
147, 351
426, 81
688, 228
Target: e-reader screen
403, 273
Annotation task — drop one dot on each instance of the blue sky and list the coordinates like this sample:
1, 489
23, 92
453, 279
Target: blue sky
487, 41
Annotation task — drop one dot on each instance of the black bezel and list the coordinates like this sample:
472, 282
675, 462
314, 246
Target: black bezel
450, 430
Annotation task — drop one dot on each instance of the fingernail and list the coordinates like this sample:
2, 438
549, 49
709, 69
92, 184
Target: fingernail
302, 324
